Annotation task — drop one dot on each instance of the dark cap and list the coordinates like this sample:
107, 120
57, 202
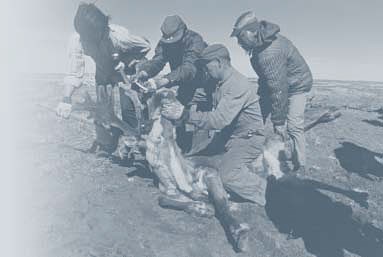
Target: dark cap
172, 29
243, 21
215, 51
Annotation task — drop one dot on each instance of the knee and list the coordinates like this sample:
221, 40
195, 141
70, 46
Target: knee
228, 175
232, 166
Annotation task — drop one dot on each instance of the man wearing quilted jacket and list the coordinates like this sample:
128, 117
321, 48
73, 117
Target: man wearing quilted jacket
284, 79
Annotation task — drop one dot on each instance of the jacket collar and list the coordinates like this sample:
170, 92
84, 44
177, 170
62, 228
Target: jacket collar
220, 83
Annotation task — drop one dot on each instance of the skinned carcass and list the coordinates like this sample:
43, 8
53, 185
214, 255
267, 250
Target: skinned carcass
184, 184
177, 175
193, 187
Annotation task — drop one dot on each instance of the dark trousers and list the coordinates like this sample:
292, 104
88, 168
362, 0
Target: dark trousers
233, 158
107, 139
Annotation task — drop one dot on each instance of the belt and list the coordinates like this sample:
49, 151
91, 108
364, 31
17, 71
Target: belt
241, 134
248, 133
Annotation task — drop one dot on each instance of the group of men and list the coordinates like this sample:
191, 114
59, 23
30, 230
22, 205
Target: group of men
216, 103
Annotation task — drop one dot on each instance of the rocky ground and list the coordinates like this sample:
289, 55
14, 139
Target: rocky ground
74, 204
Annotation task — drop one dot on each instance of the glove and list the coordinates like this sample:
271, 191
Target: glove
157, 83
64, 110
172, 111
150, 85
280, 130
161, 82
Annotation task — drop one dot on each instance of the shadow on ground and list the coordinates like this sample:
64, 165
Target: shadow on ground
380, 112
376, 123
297, 208
359, 160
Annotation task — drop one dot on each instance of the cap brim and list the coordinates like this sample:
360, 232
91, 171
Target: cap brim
176, 37
203, 61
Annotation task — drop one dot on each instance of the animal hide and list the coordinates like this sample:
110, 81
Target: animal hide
273, 154
175, 172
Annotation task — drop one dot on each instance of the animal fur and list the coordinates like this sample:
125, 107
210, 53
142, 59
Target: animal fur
273, 152
176, 173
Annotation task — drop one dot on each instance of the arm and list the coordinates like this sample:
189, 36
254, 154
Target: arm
76, 68
130, 47
227, 109
156, 64
274, 72
127, 42
187, 70
69, 90
74, 76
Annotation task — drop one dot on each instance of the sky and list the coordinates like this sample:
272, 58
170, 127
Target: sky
340, 39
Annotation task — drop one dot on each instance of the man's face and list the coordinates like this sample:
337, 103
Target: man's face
213, 68
244, 39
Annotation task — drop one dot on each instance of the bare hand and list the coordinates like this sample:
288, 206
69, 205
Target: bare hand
150, 85
172, 111
64, 110
161, 82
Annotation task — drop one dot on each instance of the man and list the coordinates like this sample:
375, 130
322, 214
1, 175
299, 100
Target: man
102, 42
180, 47
235, 117
189, 185
284, 79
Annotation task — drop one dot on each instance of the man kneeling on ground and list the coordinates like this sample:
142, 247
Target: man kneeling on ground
236, 120
193, 186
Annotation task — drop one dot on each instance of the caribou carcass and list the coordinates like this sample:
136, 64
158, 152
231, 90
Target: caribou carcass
196, 187
184, 184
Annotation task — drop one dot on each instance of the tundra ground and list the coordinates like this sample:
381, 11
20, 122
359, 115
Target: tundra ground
74, 204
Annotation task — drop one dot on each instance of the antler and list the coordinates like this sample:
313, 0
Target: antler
105, 115
330, 115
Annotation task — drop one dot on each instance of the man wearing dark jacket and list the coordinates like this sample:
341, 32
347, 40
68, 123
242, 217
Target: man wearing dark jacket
284, 79
180, 47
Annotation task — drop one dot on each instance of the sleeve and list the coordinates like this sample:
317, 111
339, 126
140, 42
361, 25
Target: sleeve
187, 70
156, 64
274, 72
127, 42
76, 62
227, 110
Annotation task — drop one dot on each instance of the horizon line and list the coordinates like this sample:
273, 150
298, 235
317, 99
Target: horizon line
250, 78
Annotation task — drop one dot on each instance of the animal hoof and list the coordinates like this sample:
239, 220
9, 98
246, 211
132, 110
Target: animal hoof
200, 209
241, 237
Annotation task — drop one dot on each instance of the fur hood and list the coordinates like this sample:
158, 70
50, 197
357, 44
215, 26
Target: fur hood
266, 33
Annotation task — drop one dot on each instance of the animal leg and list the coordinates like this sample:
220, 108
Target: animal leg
182, 203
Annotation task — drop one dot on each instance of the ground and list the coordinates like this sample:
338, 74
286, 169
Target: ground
75, 204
